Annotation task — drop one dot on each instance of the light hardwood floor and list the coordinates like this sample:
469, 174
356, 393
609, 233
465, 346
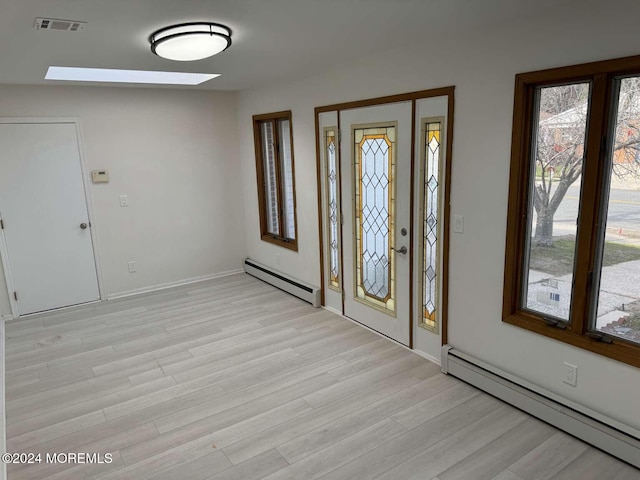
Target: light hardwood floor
233, 379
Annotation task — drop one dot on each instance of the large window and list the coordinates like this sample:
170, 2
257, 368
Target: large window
572, 267
276, 187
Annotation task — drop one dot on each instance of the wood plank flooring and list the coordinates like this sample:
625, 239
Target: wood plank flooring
233, 379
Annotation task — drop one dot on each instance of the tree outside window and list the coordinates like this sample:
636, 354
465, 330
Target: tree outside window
573, 241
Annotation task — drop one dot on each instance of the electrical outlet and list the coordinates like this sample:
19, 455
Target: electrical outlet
124, 201
458, 224
132, 267
570, 374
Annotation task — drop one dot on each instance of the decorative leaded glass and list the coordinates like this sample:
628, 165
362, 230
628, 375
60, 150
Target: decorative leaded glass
374, 174
332, 207
430, 227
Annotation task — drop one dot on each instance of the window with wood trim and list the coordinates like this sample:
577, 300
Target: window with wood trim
275, 174
572, 269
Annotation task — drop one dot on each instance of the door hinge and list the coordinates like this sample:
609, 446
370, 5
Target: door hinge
15, 295
341, 218
1, 224
343, 296
339, 136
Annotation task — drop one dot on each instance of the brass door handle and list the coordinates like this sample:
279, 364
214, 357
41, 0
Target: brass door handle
402, 250
83, 226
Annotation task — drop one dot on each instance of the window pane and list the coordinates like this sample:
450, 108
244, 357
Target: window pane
288, 216
270, 187
618, 311
554, 191
374, 168
332, 206
431, 224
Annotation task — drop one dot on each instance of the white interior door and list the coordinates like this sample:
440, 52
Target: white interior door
375, 156
46, 224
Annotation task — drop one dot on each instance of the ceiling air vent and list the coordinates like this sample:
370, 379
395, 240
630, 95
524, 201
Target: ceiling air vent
60, 25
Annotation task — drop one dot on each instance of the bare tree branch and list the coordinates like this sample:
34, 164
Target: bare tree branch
560, 145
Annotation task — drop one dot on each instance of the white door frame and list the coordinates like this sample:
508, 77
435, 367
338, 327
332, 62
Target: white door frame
87, 193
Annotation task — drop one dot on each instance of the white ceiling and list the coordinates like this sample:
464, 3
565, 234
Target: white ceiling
272, 39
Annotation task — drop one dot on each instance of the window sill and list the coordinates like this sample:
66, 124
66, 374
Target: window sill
289, 244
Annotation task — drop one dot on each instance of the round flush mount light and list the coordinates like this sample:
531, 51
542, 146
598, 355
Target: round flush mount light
190, 41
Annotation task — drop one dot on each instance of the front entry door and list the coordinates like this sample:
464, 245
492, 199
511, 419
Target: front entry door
375, 156
44, 211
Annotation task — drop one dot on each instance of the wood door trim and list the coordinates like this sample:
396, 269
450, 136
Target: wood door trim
447, 220
403, 97
412, 219
449, 92
320, 210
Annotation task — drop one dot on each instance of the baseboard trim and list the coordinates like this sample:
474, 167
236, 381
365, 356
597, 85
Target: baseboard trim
179, 283
333, 310
429, 357
596, 429
293, 286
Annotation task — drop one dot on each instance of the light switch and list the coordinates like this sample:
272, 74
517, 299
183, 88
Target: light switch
458, 224
124, 201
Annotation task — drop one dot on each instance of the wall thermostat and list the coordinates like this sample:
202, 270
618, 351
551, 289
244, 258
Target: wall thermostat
100, 176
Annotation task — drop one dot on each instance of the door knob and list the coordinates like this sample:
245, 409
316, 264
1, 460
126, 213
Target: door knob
83, 226
402, 250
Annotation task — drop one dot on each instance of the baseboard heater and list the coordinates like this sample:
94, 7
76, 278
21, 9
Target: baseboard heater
304, 291
602, 432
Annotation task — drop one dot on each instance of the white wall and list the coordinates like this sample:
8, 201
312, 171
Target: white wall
174, 153
3, 427
482, 65
5, 309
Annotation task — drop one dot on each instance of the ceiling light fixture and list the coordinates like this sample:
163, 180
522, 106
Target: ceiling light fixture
190, 41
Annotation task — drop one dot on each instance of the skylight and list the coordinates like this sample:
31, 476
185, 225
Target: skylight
127, 76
